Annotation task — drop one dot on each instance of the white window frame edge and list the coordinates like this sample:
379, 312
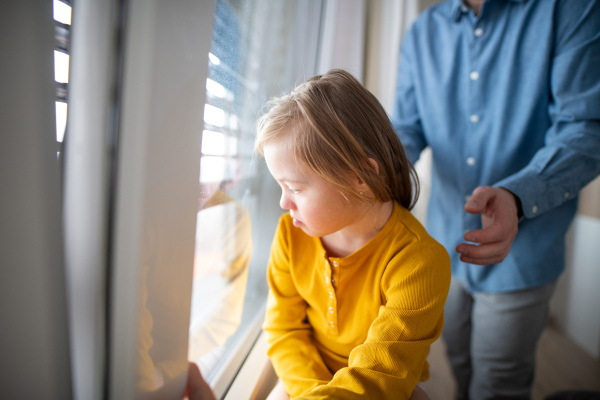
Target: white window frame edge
34, 345
86, 194
256, 378
239, 383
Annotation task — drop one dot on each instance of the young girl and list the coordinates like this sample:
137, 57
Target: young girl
357, 286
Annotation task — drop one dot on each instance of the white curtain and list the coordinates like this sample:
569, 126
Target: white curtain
387, 22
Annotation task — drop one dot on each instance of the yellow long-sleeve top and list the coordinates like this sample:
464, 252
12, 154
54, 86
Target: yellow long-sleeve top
355, 327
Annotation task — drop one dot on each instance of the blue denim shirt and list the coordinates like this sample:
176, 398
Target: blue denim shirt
509, 98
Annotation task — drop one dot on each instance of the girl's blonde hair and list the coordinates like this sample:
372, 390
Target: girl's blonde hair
337, 126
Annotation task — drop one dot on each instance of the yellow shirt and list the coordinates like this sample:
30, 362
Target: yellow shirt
355, 327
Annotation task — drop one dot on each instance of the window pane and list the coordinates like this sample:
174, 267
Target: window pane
61, 120
62, 12
61, 67
62, 33
258, 49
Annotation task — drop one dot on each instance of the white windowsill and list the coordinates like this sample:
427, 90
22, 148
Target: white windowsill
256, 378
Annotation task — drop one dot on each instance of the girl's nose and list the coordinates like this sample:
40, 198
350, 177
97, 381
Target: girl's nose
285, 201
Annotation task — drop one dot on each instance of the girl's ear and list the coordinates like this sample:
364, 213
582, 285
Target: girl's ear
374, 165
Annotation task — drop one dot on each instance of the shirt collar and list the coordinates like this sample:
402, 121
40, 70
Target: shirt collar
458, 8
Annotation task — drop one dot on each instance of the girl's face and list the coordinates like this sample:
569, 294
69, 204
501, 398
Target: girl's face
314, 204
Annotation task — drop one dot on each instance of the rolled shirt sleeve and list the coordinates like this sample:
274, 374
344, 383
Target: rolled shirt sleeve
570, 157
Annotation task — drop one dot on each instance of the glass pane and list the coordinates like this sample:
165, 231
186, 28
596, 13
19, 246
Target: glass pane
252, 58
61, 120
62, 12
61, 67
223, 246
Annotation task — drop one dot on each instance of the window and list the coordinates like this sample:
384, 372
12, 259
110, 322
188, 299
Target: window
184, 183
259, 49
62, 33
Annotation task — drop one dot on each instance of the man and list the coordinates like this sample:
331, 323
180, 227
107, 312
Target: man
507, 95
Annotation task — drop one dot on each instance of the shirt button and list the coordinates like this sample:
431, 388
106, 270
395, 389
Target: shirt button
326, 280
470, 161
474, 118
478, 32
534, 209
331, 310
331, 324
332, 280
331, 295
474, 75
335, 264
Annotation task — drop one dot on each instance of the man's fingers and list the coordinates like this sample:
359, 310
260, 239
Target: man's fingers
484, 254
482, 261
491, 234
479, 200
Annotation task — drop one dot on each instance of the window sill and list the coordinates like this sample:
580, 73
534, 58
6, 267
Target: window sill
256, 377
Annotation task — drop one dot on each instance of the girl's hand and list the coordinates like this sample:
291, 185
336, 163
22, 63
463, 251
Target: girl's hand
418, 394
197, 388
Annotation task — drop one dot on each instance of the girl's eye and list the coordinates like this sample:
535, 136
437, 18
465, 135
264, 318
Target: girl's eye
293, 191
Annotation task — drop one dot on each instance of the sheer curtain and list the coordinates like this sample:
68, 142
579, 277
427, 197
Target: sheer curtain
387, 22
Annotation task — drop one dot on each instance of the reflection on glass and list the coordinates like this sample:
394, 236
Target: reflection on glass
222, 256
223, 245
214, 116
214, 143
213, 59
217, 90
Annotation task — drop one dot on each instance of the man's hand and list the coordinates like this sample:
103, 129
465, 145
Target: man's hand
499, 219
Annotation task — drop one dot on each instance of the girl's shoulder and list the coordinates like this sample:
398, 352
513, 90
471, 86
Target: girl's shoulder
405, 223
410, 239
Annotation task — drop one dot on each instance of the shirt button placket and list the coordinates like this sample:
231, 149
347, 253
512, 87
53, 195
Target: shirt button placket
334, 271
474, 103
332, 304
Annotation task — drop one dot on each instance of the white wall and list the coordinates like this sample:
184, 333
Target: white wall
576, 303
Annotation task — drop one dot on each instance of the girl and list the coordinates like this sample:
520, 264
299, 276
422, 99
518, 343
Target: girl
357, 286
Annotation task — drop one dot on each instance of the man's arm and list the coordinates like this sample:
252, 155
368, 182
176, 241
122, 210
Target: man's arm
570, 157
406, 119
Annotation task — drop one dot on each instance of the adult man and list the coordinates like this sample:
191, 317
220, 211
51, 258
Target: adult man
507, 95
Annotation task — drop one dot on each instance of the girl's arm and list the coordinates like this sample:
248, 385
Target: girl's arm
293, 353
392, 360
